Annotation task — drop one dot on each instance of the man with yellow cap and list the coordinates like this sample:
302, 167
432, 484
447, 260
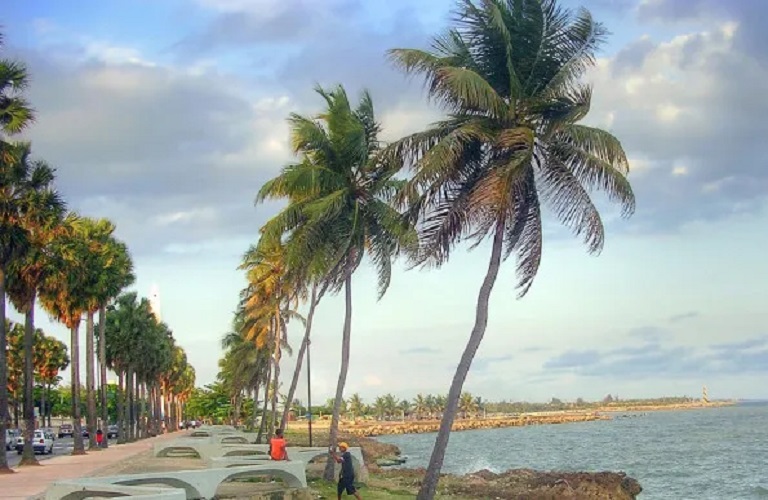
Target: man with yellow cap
347, 476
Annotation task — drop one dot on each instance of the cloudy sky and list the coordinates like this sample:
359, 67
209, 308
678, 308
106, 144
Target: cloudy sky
167, 117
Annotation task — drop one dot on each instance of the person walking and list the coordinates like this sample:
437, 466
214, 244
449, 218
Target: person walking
99, 438
347, 476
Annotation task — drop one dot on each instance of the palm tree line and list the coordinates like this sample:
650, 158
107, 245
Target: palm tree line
74, 268
421, 407
507, 74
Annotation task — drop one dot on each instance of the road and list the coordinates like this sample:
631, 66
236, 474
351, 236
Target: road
61, 446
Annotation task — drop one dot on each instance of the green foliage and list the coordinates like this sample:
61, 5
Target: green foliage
210, 402
508, 75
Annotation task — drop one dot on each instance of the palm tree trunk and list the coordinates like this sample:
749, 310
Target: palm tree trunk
330, 465
48, 411
129, 410
90, 392
140, 413
255, 405
309, 395
315, 298
4, 417
122, 428
103, 372
273, 414
77, 425
28, 458
263, 424
42, 404
158, 411
429, 485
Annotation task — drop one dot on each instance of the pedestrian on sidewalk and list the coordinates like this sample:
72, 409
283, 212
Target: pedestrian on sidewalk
99, 438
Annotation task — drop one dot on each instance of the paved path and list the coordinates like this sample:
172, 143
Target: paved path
31, 482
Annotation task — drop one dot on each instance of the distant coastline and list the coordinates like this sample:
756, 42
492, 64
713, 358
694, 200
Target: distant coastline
373, 428
635, 407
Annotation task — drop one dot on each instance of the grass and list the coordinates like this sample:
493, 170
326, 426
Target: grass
328, 490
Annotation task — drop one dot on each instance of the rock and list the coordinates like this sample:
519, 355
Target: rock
527, 484
390, 461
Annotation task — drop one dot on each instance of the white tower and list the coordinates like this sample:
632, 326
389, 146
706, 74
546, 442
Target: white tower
154, 301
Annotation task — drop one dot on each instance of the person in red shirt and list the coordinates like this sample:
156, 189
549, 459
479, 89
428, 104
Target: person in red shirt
277, 445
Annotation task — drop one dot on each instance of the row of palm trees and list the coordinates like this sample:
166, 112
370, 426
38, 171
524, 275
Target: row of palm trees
507, 74
73, 266
49, 358
427, 406
154, 376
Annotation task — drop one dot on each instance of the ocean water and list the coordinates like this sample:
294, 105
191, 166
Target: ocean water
718, 453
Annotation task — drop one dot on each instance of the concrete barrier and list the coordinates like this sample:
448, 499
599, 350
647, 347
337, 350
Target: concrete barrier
195, 484
300, 454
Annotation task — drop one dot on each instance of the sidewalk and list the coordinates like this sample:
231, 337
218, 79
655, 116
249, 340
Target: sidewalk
31, 482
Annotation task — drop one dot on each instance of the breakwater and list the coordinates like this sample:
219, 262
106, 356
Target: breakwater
367, 428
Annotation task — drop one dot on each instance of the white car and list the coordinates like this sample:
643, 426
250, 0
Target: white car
10, 438
42, 442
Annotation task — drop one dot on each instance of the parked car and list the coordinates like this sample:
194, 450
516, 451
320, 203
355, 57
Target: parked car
42, 442
10, 438
66, 430
85, 432
50, 431
112, 431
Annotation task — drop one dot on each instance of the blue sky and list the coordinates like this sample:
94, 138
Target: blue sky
168, 116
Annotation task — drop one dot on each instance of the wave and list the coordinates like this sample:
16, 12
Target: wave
761, 491
479, 464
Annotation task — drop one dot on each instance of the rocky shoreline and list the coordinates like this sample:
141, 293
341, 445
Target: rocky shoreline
378, 428
517, 484
525, 484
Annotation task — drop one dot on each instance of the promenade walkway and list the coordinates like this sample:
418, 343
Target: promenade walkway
31, 482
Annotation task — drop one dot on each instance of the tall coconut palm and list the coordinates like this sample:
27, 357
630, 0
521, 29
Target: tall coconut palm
269, 303
338, 206
15, 115
508, 75
41, 218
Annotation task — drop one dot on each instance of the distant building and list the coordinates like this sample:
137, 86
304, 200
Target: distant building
154, 301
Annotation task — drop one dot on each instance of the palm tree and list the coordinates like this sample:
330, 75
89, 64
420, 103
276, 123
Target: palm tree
467, 404
508, 74
268, 305
116, 274
356, 405
109, 271
405, 407
338, 210
15, 112
64, 296
420, 406
41, 219
15, 115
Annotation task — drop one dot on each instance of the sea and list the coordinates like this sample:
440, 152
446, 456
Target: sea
714, 453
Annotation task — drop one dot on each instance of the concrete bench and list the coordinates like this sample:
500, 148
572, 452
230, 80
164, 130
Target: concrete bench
299, 454
81, 489
196, 484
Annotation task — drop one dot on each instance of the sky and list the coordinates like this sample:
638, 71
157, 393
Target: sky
167, 117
